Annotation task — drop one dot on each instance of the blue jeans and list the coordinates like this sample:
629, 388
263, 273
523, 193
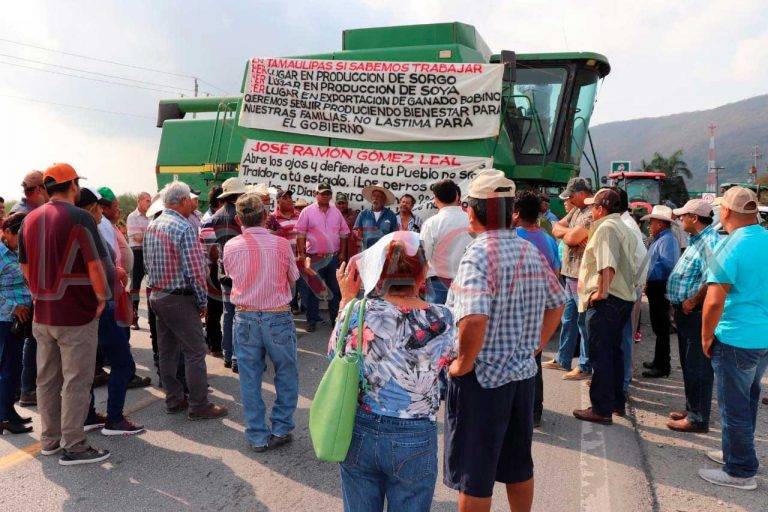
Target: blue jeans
29, 366
390, 458
606, 320
10, 370
114, 341
574, 327
697, 368
738, 372
437, 291
257, 335
326, 270
226, 332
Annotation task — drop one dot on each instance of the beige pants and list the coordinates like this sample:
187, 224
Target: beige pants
66, 358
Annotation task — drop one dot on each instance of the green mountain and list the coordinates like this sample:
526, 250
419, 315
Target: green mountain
740, 126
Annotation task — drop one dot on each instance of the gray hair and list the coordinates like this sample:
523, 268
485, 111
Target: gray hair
175, 192
143, 194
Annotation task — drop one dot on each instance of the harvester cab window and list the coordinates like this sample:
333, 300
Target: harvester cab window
532, 108
582, 104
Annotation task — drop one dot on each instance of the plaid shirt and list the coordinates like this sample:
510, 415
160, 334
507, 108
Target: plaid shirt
688, 276
506, 279
13, 289
173, 256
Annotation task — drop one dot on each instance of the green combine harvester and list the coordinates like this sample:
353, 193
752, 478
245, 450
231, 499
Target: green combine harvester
547, 103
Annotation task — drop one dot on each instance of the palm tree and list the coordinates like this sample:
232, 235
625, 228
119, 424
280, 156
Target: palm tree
672, 166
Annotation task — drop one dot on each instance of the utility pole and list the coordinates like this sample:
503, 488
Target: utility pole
194, 115
756, 155
716, 172
712, 181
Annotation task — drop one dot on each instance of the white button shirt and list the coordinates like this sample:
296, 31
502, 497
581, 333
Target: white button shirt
445, 236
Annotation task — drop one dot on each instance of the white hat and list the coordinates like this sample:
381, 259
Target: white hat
491, 183
156, 207
660, 212
260, 188
231, 187
368, 194
370, 262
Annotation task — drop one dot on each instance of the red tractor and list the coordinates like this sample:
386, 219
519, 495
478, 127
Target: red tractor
648, 188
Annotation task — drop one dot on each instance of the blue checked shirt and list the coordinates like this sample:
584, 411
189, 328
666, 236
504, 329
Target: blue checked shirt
506, 279
688, 276
173, 256
13, 289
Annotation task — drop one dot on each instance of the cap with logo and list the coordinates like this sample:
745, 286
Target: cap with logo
491, 183
605, 197
341, 197
738, 199
60, 173
232, 187
323, 186
695, 206
280, 193
88, 196
576, 185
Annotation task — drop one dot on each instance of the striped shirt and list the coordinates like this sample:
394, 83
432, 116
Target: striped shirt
13, 289
283, 226
262, 267
689, 274
173, 256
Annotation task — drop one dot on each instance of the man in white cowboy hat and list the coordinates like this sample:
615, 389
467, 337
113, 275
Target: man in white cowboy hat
663, 254
378, 220
214, 233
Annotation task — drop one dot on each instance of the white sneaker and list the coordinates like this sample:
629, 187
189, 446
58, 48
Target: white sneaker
52, 451
716, 456
720, 477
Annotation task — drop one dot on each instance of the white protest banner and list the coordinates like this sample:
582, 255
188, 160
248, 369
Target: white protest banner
301, 167
373, 101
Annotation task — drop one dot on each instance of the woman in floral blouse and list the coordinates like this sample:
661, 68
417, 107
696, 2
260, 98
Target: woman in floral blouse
406, 342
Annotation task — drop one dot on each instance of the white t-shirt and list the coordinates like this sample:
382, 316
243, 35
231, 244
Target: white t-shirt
107, 232
444, 237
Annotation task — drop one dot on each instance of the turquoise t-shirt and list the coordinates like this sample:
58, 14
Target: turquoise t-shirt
740, 260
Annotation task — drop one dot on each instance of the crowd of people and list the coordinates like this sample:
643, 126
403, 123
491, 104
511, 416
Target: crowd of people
459, 309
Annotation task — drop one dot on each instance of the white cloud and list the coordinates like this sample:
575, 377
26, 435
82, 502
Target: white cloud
750, 59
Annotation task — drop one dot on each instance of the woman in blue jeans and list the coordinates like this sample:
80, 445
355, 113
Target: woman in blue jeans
406, 341
15, 306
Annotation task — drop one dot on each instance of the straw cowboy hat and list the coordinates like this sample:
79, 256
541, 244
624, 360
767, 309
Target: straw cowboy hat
660, 212
231, 187
368, 194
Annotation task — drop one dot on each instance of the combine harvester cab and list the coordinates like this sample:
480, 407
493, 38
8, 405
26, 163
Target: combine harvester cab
547, 103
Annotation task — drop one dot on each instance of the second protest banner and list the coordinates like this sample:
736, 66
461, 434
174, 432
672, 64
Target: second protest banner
301, 167
373, 101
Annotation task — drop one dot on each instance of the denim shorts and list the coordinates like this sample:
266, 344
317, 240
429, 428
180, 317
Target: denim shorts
488, 434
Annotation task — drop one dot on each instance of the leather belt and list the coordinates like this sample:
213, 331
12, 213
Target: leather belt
279, 309
323, 254
183, 292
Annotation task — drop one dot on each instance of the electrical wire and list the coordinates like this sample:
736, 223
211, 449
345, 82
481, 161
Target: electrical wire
81, 107
107, 61
169, 86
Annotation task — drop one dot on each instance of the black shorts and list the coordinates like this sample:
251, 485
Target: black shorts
488, 434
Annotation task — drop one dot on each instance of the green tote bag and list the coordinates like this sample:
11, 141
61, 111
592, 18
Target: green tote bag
332, 414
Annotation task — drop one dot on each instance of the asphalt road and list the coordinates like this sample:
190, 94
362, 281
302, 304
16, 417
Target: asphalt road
634, 465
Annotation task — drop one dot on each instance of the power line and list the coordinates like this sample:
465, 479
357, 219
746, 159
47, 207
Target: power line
164, 91
81, 107
107, 61
173, 87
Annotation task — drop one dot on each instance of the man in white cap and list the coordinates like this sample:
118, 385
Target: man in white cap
378, 220
734, 327
686, 290
507, 303
215, 232
663, 253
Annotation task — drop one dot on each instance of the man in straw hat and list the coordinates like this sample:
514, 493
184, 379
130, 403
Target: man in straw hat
507, 303
607, 292
214, 233
663, 253
734, 327
378, 220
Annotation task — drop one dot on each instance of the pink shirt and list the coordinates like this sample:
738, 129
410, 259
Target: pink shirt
262, 267
323, 230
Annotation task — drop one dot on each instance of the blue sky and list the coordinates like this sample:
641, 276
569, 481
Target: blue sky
666, 58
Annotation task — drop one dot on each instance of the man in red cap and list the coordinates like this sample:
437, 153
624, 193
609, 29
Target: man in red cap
61, 261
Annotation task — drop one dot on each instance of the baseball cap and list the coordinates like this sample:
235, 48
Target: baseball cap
107, 196
341, 197
323, 186
696, 206
574, 186
491, 183
32, 179
60, 173
605, 197
738, 199
248, 204
88, 195
283, 192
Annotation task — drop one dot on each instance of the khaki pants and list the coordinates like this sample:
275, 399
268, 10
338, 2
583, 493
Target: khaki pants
66, 358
